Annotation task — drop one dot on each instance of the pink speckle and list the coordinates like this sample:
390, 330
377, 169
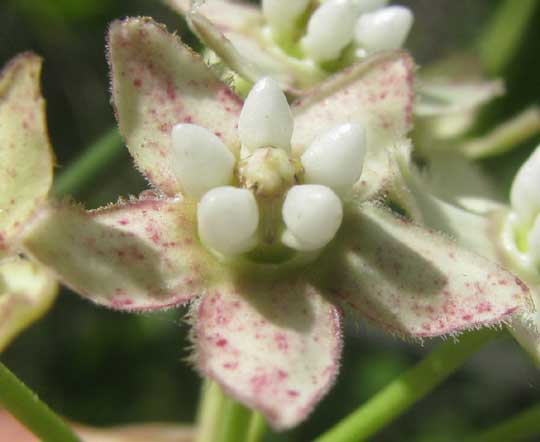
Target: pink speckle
467, 317
123, 222
281, 341
483, 307
293, 393
221, 342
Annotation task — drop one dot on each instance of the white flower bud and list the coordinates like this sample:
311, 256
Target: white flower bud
525, 192
200, 160
383, 29
336, 158
330, 29
312, 215
227, 220
266, 119
282, 15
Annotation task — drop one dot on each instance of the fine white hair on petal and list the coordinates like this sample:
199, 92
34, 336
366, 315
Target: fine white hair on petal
227, 219
282, 15
330, 29
525, 192
383, 29
266, 118
336, 158
312, 214
200, 160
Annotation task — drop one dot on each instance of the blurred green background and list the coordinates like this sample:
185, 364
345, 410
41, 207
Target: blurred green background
102, 368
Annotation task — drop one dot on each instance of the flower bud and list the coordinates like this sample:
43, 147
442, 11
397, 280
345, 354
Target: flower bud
227, 220
525, 191
200, 160
383, 29
336, 158
266, 119
330, 29
312, 214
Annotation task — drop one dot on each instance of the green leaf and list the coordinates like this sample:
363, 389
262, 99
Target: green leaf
26, 159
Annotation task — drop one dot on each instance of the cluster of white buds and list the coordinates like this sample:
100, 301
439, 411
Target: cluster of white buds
521, 236
369, 25
233, 194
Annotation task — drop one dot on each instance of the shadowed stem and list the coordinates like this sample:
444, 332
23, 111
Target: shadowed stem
210, 415
94, 160
407, 389
502, 34
28, 409
257, 427
522, 426
236, 422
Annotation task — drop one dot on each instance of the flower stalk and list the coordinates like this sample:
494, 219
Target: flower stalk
407, 389
34, 414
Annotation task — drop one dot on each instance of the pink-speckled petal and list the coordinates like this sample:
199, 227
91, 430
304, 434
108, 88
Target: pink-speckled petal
140, 255
27, 291
26, 159
274, 346
414, 282
158, 82
377, 93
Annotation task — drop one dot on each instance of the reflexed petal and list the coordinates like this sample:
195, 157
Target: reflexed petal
157, 83
383, 29
414, 282
330, 29
26, 159
273, 346
524, 194
27, 291
526, 329
439, 97
312, 214
336, 158
141, 255
227, 219
377, 94
200, 159
266, 119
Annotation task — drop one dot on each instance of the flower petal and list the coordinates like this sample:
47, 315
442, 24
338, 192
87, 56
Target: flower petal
157, 82
27, 291
26, 159
141, 255
275, 347
376, 93
414, 282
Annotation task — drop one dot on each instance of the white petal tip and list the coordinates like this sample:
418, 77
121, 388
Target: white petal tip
312, 215
227, 220
266, 119
383, 29
200, 160
525, 195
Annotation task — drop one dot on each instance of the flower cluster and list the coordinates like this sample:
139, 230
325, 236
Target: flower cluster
268, 220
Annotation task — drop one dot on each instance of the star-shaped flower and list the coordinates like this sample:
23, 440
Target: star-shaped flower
26, 289
255, 223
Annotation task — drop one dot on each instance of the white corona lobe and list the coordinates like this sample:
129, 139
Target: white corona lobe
330, 29
200, 160
525, 191
266, 119
336, 158
383, 29
282, 15
312, 214
227, 219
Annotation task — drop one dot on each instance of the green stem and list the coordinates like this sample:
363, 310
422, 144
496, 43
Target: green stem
95, 160
209, 420
523, 426
28, 409
257, 427
236, 422
407, 389
503, 33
